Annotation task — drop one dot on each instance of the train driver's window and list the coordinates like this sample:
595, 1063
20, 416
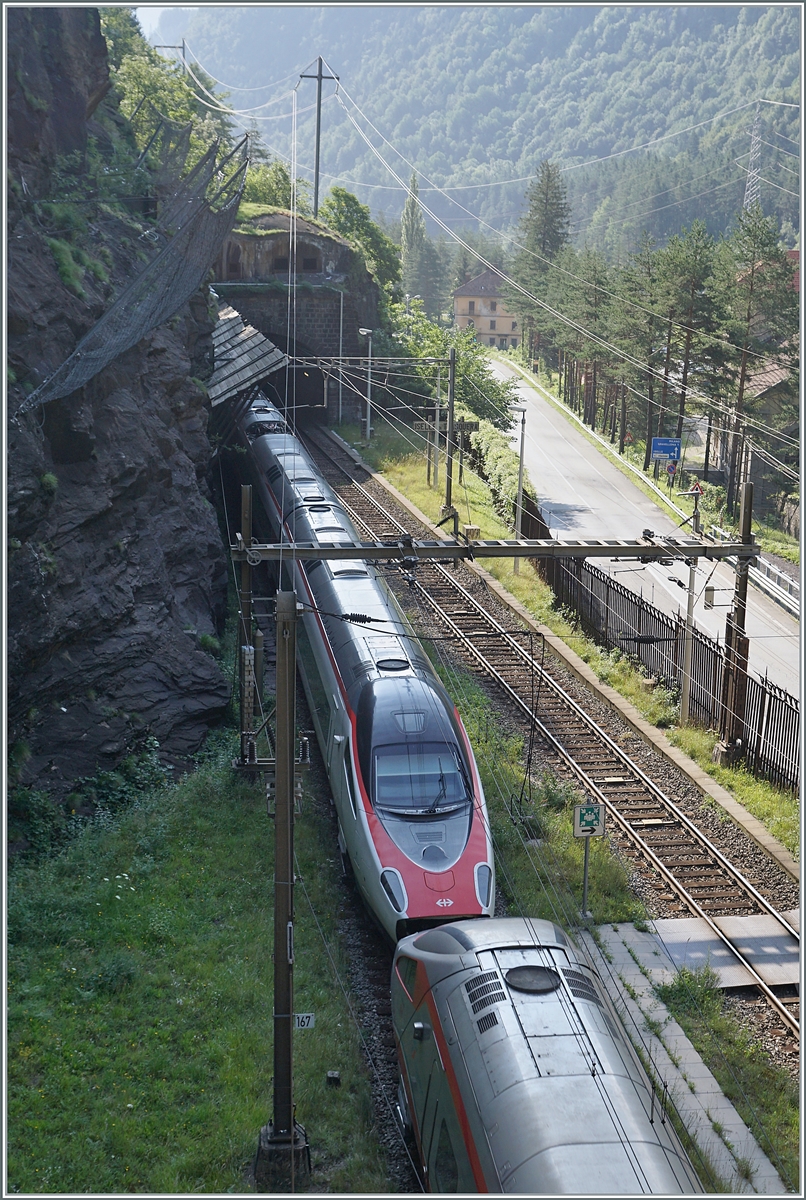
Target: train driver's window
348, 771
406, 971
446, 1168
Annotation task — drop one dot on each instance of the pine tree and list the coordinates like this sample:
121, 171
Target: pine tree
762, 304
688, 264
412, 241
637, 325
543, 234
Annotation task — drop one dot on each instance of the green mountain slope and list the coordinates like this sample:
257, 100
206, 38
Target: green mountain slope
475, 95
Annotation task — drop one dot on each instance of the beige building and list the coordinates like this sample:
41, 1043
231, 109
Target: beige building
479, 305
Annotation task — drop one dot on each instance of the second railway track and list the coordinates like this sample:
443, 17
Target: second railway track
651, 830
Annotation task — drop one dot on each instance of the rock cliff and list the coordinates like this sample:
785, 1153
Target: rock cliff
115, 566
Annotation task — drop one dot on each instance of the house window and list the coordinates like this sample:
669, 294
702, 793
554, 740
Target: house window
514, 324
493, 306
281, 264
471, 324
502, 343
513, 342
310, 264
471, 306
492, 341
492, 324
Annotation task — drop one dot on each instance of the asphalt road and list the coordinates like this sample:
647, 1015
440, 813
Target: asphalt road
582, 493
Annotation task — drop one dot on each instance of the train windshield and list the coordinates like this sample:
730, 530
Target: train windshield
422, 780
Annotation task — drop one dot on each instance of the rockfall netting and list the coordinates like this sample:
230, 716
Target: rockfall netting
191, 228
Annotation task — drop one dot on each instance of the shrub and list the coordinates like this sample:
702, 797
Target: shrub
49, 483
34, 816
70, 273
116, 972
210, 644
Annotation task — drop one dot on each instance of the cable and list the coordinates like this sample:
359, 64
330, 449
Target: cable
231, 87
585, 333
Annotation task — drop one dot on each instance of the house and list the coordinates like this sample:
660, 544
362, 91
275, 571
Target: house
479, 304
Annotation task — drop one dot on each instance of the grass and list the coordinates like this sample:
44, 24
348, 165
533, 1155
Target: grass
778, 811
764, 1095
401, 459
140, 1001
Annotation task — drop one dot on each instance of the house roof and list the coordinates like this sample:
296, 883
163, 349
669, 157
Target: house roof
487, 284
242, 356
767, 377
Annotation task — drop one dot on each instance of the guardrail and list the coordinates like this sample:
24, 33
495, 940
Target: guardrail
766, 576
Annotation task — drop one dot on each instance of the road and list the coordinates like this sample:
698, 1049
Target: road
583, 493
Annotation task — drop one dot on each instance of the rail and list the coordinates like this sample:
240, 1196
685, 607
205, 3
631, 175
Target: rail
654, 826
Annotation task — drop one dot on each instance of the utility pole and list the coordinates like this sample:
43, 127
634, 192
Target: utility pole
448, 508
318, 77
247, 654
516, 566
367, 333
688, 646
737, 647
436, 426
182, 48
283, 1154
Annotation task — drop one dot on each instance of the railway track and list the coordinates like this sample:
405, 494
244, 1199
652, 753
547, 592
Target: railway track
650, 829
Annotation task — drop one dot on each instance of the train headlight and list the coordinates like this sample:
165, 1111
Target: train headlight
392, 883
484, 884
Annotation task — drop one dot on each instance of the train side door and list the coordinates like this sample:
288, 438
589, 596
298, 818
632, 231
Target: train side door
440, 1154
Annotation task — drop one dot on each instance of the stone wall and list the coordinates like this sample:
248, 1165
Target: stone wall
252, 274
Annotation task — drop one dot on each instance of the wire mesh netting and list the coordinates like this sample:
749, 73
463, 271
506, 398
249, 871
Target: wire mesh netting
190, 230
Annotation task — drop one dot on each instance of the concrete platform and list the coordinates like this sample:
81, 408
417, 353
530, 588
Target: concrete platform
630, 963
690, 942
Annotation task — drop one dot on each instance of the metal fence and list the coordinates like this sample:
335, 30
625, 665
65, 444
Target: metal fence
617, 618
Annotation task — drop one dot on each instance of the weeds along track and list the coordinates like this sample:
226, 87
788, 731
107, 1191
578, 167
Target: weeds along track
690, 874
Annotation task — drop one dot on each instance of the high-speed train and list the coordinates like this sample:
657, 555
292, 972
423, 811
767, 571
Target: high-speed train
516, 1076
411, 811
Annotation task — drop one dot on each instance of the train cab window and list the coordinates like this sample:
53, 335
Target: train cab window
422, 778
446, 1168
406, 972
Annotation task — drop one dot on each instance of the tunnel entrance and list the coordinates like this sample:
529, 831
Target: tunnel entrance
298, 387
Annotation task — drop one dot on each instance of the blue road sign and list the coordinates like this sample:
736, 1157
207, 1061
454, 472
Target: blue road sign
664, 449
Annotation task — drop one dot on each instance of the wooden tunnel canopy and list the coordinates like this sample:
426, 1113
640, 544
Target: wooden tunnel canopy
243, 356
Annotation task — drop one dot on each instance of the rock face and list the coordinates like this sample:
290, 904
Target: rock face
57, 75
116, 566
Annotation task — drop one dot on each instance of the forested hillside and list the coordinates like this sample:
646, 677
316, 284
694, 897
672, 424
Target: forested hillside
477, 95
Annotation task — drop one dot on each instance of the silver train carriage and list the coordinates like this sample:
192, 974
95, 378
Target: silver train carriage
410, 805
516, 1076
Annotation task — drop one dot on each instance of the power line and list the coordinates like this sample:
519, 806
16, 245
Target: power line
588, 334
